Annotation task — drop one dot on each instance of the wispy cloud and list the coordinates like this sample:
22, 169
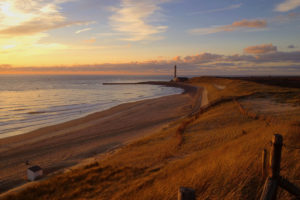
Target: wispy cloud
291, 46
23, 25
231, 7
287, 5
235, 26
261, 49
202, 58
32, 17
83, 30
36, 26
5, 66
133, 19
283, 18
90, 41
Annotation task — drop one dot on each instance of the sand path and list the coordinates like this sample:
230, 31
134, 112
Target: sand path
200, 100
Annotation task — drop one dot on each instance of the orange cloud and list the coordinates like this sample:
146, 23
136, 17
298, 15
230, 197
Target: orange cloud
250, 24
90, 41
261, 49
177, 59
36, 26
237, 25
202, 58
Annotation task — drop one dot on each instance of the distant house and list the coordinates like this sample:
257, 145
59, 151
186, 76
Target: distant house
180, 79
34, 172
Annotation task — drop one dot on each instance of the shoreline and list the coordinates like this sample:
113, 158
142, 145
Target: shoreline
66, 144
30, 128
185, 88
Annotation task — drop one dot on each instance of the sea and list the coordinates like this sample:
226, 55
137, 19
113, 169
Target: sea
29, 102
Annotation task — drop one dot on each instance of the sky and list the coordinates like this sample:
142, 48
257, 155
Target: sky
216, 37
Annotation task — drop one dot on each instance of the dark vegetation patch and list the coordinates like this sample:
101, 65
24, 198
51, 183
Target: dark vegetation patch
282, 81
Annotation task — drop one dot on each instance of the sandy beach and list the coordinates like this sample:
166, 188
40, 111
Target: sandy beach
63, 145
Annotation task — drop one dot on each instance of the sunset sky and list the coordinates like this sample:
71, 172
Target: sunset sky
217, 37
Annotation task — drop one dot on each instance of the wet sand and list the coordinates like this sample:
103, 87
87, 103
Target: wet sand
63, 145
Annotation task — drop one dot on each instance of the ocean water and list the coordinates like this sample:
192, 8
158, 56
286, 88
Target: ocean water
33, 101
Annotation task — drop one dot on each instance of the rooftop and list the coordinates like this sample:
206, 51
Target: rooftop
35, 168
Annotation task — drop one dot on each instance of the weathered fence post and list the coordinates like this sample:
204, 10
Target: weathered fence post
186, 194
272, 182
275, 157
264, 163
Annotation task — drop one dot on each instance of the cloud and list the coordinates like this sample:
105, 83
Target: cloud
293, 56
240, 58
27, 45
205, 63
291, 46
248, 24
287, 5
133, 18
177, 59
261, 49
265, 53
231, 7
30, 17
286, 17
272, 57
235, 26
24, 25
5, 66
83, 30
90, 41
294, 15
36, 26
202, 58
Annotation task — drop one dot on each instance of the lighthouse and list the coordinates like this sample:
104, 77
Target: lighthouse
175, 72
178, 79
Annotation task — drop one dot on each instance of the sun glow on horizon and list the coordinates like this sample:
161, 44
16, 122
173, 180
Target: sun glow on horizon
208, 40
77, 73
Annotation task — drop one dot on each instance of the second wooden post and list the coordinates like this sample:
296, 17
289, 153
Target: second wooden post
272, 182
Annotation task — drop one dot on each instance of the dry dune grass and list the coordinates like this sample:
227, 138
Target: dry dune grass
217, 153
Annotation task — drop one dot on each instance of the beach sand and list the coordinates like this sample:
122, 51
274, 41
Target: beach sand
63, 145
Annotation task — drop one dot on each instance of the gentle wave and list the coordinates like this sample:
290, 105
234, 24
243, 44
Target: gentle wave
31, 102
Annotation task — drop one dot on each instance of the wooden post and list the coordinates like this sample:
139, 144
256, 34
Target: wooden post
270, 189
275, 156
272, 182
264, 162
186, 194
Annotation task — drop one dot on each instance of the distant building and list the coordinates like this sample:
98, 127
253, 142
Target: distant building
175, 71
178, 79
34, 172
